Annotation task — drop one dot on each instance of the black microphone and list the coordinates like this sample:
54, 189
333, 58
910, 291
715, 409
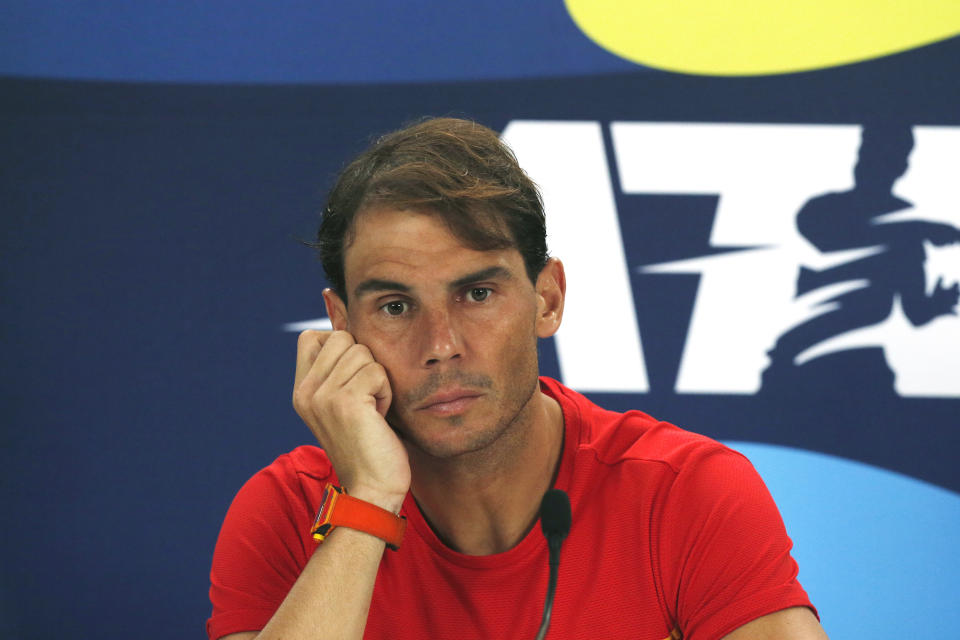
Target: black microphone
555, 521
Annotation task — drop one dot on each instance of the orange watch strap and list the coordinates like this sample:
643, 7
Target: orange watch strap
342, 510
354, 513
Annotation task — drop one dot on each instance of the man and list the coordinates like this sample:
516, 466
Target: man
427, 403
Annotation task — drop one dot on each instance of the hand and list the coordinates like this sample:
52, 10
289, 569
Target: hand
343, 394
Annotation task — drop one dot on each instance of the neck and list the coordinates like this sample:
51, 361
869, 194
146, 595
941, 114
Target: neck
486, 502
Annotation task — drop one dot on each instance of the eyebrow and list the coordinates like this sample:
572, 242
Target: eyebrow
375, 285
490, 273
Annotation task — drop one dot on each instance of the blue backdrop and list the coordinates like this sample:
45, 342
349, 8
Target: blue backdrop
779, 286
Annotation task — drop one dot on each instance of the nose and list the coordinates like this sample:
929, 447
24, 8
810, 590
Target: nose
440, 339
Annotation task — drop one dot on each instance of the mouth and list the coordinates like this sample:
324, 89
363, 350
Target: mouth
450, 402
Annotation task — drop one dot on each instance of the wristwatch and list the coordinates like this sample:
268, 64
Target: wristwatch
341, 510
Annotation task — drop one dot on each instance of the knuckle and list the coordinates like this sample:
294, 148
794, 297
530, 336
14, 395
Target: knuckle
372, 373
301, 399
376, 368
361, 351
307, 338
342, 337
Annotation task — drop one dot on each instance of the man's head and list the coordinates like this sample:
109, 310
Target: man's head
459, 171
437, 238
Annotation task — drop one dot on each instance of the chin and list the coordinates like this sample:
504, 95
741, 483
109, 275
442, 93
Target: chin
452, 440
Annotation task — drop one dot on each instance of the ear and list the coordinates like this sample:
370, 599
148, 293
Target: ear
551, 291
336, 310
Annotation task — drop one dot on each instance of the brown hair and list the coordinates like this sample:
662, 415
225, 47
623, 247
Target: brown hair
456, 169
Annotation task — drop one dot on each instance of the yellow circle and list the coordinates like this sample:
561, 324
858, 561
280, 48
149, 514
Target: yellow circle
756, 37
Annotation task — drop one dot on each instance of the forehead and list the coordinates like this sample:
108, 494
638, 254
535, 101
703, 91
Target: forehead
412, 245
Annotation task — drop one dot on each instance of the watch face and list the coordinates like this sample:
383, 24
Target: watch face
326, 505
321, 526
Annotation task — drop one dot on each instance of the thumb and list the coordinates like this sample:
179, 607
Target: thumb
383, 397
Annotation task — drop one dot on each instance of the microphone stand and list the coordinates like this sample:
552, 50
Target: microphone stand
555, 522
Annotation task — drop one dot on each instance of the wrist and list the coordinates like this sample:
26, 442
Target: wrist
338, 508
389, 500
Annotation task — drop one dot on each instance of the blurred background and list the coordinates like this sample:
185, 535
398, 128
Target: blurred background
758, 210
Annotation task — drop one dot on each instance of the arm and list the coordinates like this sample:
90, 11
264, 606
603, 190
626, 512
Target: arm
726, 551
331, 597
796, 623
342, 394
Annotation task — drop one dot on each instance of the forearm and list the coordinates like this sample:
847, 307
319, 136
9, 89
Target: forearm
342, 394
331, 597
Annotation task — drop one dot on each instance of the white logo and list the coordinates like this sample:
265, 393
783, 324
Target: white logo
749, 314
785, 297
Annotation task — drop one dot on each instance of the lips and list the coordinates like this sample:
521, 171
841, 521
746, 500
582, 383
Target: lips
449, 402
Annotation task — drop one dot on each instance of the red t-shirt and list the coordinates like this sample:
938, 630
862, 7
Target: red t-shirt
671, 531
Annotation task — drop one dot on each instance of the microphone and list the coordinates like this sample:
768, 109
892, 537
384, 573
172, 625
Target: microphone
555, 522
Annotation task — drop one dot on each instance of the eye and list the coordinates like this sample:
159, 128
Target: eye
396, 308
479, 294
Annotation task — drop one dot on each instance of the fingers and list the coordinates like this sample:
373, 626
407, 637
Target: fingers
309, 344
356, 374
348, 363
329, 361
342, 394
317, 354
371, 378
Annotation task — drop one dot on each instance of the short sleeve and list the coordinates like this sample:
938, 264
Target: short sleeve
264, 544
724, 551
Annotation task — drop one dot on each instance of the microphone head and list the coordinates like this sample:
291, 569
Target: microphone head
555, 514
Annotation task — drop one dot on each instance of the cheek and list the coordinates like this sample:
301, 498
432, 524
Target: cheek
388, 353
387, 348
517, 344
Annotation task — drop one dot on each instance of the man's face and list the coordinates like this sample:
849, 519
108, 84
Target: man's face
455, 328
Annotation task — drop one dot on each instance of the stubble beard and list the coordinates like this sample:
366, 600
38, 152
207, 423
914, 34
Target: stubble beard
512, 414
